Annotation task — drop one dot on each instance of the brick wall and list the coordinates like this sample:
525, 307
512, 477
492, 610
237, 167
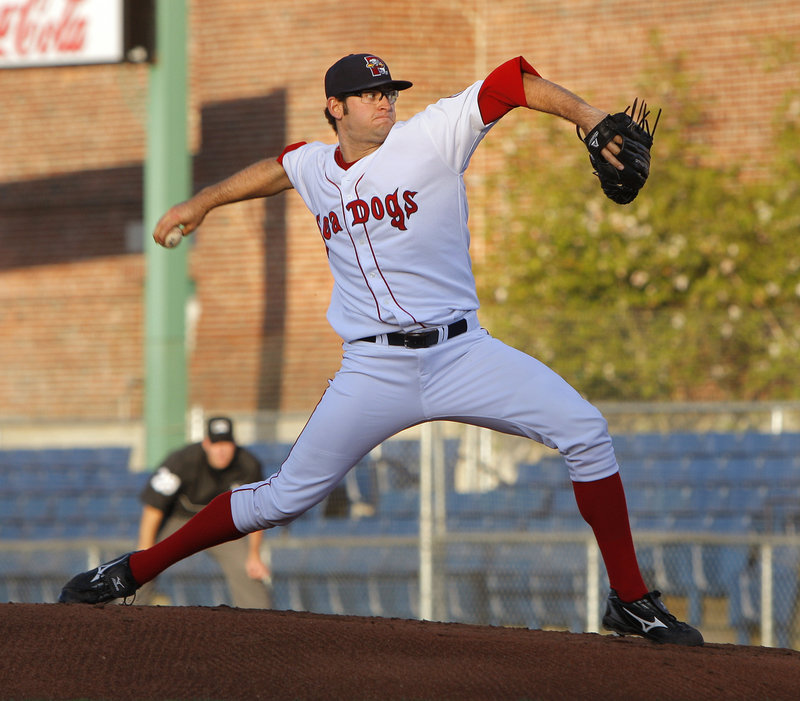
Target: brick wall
72, 142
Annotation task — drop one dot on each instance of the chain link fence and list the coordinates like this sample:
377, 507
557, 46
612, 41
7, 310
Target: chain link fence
452, 523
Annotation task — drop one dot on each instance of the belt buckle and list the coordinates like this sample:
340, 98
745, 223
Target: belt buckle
423, 338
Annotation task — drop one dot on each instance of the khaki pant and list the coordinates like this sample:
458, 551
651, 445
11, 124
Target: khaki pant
231, 557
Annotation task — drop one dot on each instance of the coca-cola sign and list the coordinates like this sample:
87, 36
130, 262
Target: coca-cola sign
60, 32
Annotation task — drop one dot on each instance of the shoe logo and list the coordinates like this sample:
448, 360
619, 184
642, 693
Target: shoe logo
647, 626
117, 582
103, 568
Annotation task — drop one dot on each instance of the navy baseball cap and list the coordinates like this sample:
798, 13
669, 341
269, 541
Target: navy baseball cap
220, 428
360, 72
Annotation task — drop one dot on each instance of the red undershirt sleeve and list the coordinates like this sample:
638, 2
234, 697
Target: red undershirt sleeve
503, 90
290, 147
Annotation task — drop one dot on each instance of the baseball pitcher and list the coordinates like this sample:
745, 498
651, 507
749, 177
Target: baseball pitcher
390, 204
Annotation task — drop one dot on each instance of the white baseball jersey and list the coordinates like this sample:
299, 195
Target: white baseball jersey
395, 222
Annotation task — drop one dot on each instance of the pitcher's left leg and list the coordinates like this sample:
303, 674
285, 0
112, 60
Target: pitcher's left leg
493, 385
482, 381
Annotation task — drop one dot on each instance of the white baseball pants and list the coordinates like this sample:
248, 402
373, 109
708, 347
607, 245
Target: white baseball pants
381, 390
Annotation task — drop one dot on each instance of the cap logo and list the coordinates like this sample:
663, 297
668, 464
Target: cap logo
376, 66
219, 426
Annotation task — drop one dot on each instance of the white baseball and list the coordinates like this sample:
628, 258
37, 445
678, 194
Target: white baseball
173, 238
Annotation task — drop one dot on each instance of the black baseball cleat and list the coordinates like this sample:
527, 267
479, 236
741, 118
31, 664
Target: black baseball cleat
112, 580
649, 618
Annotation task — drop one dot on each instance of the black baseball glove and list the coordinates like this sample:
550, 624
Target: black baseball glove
622, 186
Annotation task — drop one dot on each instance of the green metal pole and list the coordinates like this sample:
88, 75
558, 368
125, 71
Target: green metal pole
167, 180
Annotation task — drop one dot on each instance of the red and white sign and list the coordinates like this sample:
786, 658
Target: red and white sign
60, 32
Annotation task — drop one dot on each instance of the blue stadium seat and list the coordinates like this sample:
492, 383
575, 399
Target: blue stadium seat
695, 445
393, 582
396, 463
697, 570
537, 585
27, 577
399, 504
292, 584
675, 445
674, 471
777, 469
109, 458
636, 471
194, 581
68, 493
271, 455
780, 511
507, 508
644, 500
563, 502
745, 601
640, 445
8, 505
724, 500
707, 470
739, 469
548, 471
360, 580
769, 444
466, 566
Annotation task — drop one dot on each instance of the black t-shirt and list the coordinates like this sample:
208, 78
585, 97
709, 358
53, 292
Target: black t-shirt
185, 482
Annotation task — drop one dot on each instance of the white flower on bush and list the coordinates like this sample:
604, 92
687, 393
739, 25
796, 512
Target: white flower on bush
639, 278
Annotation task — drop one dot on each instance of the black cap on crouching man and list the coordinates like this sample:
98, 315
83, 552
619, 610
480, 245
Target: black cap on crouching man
360, 72
220, 428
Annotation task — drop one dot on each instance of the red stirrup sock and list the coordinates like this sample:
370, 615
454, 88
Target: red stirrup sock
211, 526
602, 505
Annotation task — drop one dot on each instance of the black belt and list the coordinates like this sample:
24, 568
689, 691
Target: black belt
424, 338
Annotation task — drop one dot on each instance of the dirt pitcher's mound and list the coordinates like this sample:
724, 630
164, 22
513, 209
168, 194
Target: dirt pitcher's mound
56, 651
